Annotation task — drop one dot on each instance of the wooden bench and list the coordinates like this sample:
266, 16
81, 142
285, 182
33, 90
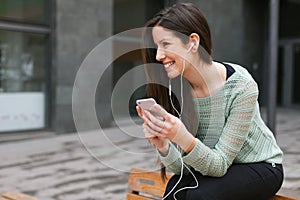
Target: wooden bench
16, 196
147, 185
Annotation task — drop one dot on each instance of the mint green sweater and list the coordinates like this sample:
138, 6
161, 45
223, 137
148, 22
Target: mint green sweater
230, 130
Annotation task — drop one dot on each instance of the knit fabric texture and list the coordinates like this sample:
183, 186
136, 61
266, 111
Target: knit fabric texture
230, 130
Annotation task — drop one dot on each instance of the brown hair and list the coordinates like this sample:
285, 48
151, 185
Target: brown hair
183, 19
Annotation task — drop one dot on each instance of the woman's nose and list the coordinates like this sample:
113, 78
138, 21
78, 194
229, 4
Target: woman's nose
160, 54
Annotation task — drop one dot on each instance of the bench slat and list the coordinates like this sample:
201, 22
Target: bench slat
148, 182
279, 197
131, 196
16, 196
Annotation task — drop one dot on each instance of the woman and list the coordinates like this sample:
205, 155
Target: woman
229, 153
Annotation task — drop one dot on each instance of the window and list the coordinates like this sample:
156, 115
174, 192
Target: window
28, 11
24, 39
22, 62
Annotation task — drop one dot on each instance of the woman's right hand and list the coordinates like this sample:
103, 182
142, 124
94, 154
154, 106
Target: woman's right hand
161, 143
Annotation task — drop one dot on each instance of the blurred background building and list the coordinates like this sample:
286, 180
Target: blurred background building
44, 42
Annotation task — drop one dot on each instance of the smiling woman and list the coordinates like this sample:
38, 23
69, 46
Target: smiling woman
212, 133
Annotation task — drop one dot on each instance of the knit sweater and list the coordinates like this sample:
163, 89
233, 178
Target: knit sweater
230, 130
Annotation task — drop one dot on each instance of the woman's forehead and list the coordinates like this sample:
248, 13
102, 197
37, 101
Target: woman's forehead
160, 34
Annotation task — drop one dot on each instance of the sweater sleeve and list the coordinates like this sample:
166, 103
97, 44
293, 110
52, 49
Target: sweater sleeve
173, 161
215, 162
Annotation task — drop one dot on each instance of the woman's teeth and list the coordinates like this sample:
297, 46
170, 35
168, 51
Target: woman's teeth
169, 64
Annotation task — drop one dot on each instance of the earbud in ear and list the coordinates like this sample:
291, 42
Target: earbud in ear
191, 46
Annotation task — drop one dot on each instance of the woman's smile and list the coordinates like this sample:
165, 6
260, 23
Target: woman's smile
168, 64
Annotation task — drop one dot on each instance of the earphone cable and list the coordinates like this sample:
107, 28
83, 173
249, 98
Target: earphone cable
179, 116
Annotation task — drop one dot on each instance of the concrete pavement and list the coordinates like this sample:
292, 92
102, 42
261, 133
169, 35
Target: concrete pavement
288, 137
95, 164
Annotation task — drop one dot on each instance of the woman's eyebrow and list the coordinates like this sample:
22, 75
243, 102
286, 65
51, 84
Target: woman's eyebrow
162, 40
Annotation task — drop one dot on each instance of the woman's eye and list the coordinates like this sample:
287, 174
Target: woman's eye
165, 44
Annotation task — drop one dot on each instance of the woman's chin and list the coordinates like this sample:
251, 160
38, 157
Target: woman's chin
172, 75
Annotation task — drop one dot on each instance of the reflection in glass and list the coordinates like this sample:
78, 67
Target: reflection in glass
22, 62
29, 11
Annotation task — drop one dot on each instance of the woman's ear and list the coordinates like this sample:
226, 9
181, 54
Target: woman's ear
195, 39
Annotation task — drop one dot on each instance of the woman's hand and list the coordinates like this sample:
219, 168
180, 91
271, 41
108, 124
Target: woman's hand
170, 127
161, 143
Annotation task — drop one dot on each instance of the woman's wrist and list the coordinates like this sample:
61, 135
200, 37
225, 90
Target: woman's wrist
185, 140
191, 147
165, 149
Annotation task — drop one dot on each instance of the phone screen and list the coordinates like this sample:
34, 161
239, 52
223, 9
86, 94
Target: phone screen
146, 104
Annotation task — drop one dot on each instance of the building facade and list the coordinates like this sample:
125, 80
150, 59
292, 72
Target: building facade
44, 43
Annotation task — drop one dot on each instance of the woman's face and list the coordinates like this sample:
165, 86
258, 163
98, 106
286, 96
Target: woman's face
171, 51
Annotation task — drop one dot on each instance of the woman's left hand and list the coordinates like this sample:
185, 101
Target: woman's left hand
170, 127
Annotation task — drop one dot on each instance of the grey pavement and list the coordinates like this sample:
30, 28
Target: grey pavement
95, 164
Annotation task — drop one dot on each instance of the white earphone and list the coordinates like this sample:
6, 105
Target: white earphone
181, 87
191, 46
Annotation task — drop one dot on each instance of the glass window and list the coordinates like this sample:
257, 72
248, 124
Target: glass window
22, 62
23, 65
22, 81
29, 11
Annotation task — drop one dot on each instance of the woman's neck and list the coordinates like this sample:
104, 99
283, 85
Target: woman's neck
206, 78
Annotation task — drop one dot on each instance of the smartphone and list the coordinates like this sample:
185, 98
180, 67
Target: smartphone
146, 104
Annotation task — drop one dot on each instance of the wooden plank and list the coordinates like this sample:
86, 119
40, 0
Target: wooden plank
131, 196
17, 196
279, 197
148, 182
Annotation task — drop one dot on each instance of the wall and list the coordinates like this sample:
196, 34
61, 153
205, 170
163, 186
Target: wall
80, 26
